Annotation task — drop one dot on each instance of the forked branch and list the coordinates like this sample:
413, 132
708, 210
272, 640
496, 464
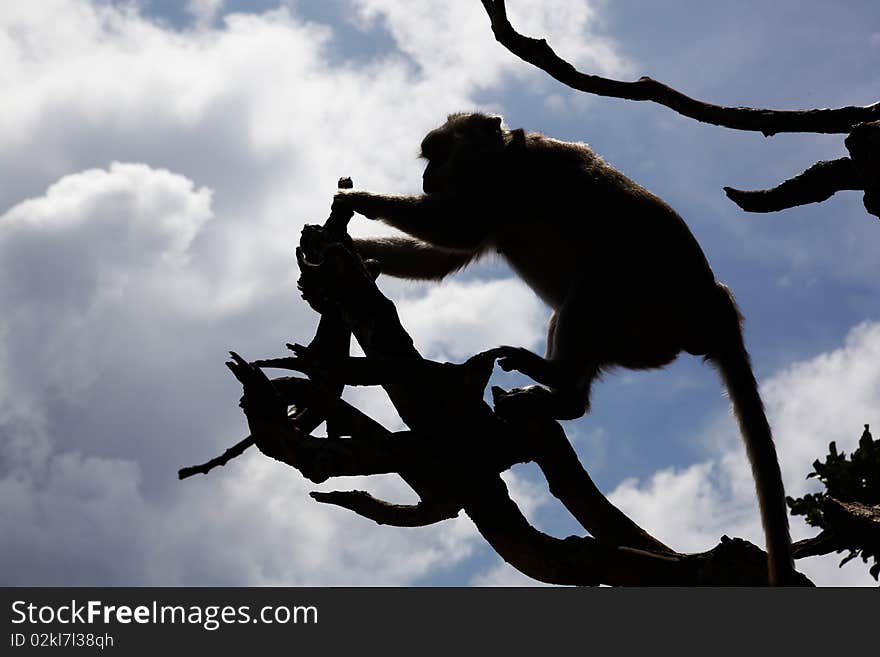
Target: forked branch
456, 447
860, 171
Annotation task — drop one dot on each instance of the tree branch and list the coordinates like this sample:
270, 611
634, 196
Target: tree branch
863, 144
816, 184
456, 447
769, 122
572, 485
860, 171
218, 461
385, 513
589, 561
824, 543
332, 338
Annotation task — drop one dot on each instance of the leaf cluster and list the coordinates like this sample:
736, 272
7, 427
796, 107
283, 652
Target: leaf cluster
854, 478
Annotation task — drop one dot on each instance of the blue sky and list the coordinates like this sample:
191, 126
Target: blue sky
160, 158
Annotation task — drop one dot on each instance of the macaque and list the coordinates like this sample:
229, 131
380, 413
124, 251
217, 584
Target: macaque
627, 281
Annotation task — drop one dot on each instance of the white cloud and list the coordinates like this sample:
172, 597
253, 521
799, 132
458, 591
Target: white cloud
531, 496
155, 182
125, 216
446, 38
826, 398
690, 492
450, 320
809, 404
71, 260
86, 520
204, 11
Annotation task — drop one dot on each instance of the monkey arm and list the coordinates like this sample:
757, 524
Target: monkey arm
403, 257
444, 220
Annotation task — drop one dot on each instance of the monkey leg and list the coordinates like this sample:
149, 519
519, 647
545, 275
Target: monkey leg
568, 371
403, 257
543, 370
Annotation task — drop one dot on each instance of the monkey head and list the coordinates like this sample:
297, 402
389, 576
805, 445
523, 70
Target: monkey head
459, 151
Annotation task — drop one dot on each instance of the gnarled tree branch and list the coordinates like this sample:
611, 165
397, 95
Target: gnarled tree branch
385, 513
456, 447
573, 486
860, 171
816, 184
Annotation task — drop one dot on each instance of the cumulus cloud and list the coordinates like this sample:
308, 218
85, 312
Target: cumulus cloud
445, 38
155, 182
71, 258
449, 321
91, 228
85, 520
828, 397
204, 11
533, 499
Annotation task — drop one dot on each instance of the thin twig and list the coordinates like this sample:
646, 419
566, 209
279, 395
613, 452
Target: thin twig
204, 468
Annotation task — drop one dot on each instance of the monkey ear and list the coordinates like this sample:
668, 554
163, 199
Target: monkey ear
517, 137
493, 125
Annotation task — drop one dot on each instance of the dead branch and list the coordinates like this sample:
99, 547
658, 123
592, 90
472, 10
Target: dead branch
235, 451
847, 524
332, 338
456, 447
385, 513
585, 561
572, 485
769, 122
816, 184
863, 144
476, 487
860, 171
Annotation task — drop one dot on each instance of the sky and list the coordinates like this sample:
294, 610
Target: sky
158, 160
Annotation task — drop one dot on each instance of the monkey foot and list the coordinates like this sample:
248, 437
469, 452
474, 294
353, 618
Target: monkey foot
518, 403
540, 402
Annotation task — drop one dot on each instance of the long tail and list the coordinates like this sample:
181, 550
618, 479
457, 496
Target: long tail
733, 362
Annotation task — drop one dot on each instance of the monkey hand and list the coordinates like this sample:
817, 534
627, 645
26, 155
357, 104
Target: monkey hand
360, 202
529, 363
512, 358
